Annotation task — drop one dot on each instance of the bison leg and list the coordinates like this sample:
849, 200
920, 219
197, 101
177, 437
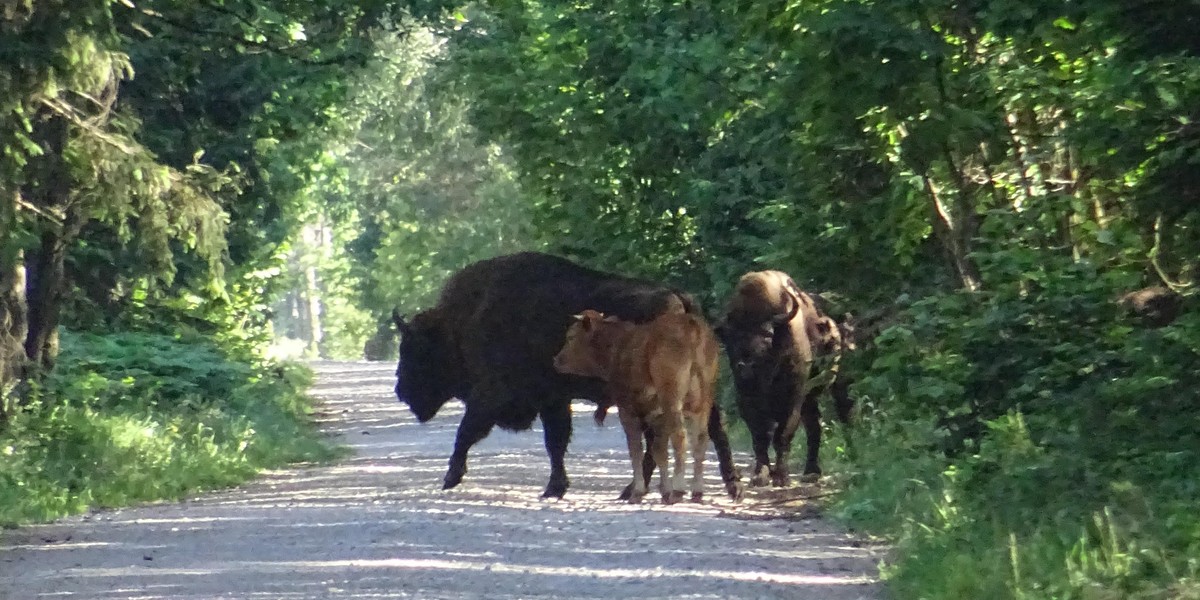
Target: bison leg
810, 414
474, 427
659, 450
784, 434
720, 439
556, 423
760, 440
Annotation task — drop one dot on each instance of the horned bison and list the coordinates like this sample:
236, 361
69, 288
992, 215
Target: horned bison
784, 352
490, 340
662, 377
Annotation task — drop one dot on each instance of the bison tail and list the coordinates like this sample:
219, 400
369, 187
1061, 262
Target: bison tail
600, 414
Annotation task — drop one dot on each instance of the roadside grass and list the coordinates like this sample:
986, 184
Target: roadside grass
134, 417
1021, 446
950, 541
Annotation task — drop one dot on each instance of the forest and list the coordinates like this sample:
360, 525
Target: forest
1005, 194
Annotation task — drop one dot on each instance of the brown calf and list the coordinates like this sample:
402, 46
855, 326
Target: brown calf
662, 377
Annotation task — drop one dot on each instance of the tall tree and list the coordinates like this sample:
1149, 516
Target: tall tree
70, 158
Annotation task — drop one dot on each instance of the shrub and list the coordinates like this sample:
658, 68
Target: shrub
134, 416
1030, 441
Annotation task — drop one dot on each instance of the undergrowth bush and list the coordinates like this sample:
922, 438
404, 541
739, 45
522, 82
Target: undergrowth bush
1030, 441
136, 416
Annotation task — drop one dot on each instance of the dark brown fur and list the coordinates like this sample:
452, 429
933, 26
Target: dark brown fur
1156, 306
784, 353
490, 339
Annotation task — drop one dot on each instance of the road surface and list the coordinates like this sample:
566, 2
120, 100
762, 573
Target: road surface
377, 525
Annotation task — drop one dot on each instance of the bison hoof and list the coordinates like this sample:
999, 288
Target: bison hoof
810, 477
698, 497
555, 489
634, 498
557, 486
453, 478
779, 481
760, 480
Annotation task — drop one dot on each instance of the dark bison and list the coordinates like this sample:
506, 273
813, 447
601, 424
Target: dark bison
783, 352
491, 339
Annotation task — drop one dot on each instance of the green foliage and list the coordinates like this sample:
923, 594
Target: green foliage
999, 171
412, 196
1031, 436
134, 417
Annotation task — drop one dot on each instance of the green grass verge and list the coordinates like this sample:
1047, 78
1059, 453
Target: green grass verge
136, 417
1008, 522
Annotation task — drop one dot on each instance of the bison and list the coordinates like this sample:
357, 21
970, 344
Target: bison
784, 352
662, 376
490, 341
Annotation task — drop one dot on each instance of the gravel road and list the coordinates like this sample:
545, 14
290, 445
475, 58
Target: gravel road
377, 525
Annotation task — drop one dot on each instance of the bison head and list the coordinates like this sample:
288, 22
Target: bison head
425, 373
751, 346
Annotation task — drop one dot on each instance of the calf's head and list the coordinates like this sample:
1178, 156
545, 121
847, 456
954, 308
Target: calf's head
580, 353
425, 373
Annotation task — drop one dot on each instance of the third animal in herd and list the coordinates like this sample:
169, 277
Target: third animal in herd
662, 377
784, 352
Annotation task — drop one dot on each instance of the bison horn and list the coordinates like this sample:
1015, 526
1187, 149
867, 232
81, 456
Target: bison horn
791, 314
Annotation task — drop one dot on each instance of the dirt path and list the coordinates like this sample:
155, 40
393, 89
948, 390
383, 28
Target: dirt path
378, 526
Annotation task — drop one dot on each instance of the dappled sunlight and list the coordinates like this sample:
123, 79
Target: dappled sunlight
378, 525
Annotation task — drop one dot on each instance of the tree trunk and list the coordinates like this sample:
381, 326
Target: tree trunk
46, 269
50, 192
313, 308
954, 227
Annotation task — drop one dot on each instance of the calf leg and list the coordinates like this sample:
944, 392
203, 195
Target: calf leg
679, 443
698, 437
474, 426
556, 422
659, 450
